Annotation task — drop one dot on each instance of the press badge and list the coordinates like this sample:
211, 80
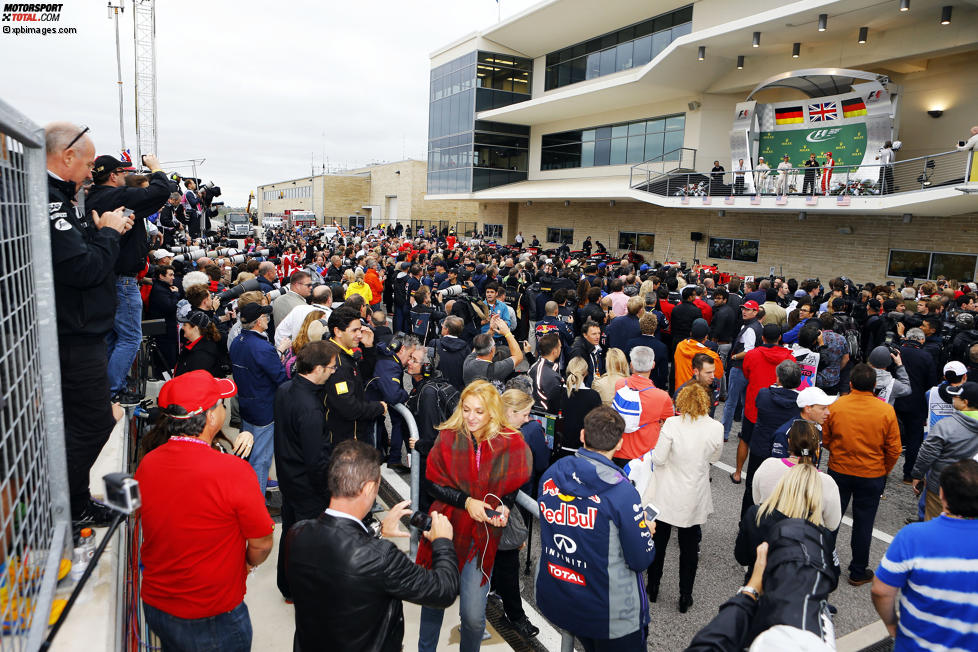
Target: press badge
341, 388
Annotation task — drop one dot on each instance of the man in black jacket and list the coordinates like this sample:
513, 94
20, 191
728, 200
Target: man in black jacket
84, 248
163, 299
110, 192
684, 315
588, 346
173, 219
347, 583
912, 410
302, 442
451, 350
349, 416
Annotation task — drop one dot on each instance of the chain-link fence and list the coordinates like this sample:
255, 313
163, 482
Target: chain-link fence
34, 514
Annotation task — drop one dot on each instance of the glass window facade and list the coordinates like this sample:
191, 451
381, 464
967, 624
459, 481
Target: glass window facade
463, 157
626, 48
621, 144
560, 236
931, 264
492, 230
636, 241
734, 249
293, 192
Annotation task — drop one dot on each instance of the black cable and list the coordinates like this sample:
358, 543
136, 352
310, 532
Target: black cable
92, 563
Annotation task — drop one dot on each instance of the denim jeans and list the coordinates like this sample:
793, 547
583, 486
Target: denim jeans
865, 494
227, 632
472, 611
127, 332
736, 390
261, 453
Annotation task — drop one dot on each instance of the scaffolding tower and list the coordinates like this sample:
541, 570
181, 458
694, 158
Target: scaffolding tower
144, 34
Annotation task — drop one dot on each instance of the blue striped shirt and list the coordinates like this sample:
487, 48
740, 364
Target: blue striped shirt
935, 566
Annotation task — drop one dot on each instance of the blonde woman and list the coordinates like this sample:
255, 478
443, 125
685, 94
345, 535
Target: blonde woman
302, 338
616, 368
356, 285
680, 486
580, 400
477, 464
798, 494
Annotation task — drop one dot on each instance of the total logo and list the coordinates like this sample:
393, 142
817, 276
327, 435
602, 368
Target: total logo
565, 574
821, 135
570, 516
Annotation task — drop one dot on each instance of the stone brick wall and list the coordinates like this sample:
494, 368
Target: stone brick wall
798, 248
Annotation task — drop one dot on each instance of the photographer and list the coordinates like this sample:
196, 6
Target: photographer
192, 209
108, 193
348, 583
172, 220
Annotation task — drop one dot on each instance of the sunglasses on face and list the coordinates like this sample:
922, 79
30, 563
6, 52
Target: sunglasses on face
76, 138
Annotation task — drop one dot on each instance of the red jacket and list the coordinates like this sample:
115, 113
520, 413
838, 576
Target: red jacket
705, 309
666, 309
759, 365
371, 279
656, 408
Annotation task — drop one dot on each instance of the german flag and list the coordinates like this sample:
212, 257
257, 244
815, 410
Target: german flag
789, 115
852, 108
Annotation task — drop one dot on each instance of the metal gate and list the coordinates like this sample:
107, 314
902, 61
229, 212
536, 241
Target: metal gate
33, 475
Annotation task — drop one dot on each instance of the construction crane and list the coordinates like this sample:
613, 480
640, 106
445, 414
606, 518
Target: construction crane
144, 35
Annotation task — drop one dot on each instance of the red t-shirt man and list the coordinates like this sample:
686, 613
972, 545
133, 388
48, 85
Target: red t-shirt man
203, 517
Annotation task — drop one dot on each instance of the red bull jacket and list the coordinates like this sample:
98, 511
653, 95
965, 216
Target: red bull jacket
594, 547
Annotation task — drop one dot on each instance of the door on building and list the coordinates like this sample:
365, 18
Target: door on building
357, 221
390, 214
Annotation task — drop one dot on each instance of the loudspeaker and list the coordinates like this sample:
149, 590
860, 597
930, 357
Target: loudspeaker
695, 236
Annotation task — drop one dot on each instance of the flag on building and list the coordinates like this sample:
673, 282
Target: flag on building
789, 115
823, 111
854, 107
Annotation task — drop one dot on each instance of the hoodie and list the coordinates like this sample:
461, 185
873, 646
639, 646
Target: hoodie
450, 354
890, 387
596, 547
759, 365
954, 438
683, 360
775, 406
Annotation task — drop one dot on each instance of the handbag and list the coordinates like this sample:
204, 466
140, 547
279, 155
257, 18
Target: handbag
515, 533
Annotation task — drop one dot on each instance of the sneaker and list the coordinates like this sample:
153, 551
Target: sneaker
859, 581
95, 514
126, 398
525, 628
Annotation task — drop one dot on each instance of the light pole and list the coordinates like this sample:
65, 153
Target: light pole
115, 10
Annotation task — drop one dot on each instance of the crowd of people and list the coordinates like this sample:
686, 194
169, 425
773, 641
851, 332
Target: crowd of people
604, 388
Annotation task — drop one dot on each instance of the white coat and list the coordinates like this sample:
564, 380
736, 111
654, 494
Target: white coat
681, 459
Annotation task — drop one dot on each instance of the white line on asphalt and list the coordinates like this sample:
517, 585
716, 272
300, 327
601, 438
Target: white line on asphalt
846, 520
549, 636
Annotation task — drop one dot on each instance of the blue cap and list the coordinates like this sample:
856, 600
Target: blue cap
602, 265
644, 267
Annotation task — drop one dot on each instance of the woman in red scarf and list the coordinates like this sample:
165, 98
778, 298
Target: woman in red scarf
477, 464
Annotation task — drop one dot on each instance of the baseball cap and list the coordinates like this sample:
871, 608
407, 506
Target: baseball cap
699, 329
643, 267
253, 311
159, 254
749, 305
195, 392
800, 293
879, 357
966, 391
957, 369
602, 265
105, 164
814, 396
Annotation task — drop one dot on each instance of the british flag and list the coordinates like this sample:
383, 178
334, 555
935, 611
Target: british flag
823, 111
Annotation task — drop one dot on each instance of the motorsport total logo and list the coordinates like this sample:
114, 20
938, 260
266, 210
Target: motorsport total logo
31, 13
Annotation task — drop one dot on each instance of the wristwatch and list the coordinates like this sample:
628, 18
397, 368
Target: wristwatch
751, 591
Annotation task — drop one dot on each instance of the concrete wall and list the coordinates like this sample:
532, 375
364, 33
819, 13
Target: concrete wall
803, 249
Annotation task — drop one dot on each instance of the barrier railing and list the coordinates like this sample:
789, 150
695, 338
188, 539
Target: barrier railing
34, 533
910, 175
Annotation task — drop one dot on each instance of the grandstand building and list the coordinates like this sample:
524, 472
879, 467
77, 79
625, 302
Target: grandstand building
566, 122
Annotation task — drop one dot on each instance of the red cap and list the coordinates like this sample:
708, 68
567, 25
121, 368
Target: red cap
750, 305
195, 392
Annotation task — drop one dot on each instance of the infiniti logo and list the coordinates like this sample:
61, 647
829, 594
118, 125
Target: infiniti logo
565, 543
821, 135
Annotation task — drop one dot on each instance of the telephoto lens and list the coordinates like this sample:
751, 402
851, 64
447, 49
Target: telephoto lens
179, 249
237, 259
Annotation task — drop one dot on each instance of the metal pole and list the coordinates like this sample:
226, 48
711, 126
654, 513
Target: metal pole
118, 62
415, 471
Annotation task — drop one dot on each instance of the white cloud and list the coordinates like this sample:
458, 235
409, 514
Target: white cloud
250, 86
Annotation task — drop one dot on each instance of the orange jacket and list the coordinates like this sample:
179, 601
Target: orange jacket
376, 287
862, 436
683, 360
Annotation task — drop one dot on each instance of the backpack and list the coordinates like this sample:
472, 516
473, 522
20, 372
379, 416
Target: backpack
628, 404
802, 570
446, 396
844, 326
959, 345
400, 289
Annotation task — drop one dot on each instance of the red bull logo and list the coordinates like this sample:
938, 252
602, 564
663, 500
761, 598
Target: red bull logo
550, 489
569, 515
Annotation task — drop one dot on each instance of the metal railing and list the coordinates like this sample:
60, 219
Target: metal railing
910, 175
33, 475
683, 158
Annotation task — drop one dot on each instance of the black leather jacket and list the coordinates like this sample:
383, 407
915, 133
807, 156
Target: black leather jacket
348, 585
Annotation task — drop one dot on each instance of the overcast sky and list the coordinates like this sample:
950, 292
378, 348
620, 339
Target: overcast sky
255, 88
